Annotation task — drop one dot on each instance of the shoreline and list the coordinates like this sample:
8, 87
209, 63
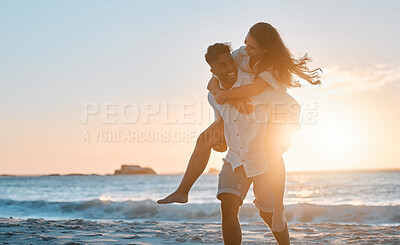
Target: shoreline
78, 231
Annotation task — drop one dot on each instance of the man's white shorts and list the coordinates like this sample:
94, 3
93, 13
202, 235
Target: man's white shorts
236, 182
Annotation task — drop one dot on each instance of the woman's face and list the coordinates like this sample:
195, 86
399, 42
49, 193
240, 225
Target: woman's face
252, 48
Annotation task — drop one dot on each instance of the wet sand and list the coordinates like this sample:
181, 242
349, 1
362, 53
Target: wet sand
41, 231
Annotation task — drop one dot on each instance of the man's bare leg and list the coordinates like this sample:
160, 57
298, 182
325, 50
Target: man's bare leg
276, 145
277, 177
197, 163
281, 237
231, 230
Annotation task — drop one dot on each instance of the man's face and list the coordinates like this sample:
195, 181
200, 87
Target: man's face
225, 68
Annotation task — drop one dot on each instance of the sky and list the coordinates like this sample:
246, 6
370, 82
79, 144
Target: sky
86, 86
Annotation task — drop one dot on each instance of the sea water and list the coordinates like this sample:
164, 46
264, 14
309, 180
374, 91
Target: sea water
361, 197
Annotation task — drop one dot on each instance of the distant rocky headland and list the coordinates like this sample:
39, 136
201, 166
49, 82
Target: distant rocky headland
134, 169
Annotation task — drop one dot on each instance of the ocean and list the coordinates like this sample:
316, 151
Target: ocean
341, 197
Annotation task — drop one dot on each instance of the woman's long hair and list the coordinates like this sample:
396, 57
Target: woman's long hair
278, 59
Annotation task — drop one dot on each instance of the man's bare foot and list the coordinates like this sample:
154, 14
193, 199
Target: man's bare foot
174, 197
278, 221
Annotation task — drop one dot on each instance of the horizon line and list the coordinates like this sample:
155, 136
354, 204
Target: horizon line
206, 173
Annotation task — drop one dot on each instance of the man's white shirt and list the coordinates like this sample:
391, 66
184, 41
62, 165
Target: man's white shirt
245, 134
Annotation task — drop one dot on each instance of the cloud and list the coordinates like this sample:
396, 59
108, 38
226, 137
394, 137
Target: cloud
340, 81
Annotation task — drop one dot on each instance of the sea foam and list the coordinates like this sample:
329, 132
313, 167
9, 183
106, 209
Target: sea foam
150, 210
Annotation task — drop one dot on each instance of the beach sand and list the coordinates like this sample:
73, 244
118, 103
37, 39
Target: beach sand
41, 231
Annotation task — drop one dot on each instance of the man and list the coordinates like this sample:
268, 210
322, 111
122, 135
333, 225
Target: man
245, 162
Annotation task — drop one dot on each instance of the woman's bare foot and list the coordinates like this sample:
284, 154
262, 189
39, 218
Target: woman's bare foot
278, 220
174, 197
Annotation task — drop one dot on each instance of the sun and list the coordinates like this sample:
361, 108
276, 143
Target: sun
329, 144
338, 138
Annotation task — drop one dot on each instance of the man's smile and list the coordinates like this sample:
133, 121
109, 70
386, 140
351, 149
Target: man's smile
232, 76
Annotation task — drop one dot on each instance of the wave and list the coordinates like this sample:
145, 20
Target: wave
150, 210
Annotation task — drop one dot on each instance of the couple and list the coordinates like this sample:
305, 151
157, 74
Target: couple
254, 118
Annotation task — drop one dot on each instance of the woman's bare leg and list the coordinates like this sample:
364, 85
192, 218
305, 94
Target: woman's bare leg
198, 161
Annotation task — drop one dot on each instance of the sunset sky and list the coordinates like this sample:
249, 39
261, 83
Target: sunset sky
57, 57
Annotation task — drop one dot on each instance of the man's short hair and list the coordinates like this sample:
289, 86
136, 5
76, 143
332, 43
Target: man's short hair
215, 50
